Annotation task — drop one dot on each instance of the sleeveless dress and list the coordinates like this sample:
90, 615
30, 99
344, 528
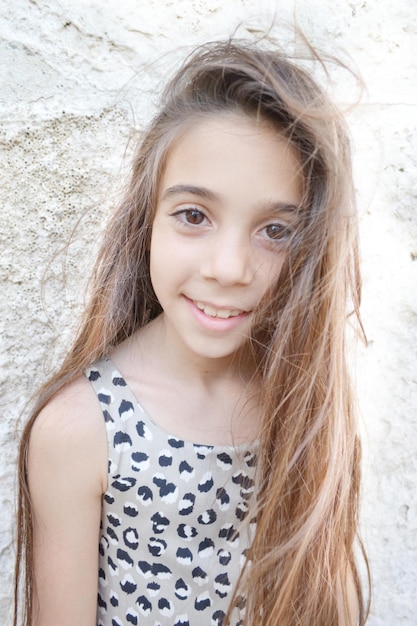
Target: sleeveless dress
170, 553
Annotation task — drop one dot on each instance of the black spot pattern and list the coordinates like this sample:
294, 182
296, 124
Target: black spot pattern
170, 544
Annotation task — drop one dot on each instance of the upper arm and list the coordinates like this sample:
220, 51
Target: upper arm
67, 473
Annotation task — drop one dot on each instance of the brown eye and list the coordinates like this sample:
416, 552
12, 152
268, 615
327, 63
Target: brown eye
194, 216
191, 218
278, 232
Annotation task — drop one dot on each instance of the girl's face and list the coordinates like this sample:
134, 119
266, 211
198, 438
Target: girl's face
226, 208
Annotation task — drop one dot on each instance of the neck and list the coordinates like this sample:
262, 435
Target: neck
177, 362
199, 399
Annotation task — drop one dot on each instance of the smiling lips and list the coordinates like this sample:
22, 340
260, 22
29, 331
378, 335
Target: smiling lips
222, 313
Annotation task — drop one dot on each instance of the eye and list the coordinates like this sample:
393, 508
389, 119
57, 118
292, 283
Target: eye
277, 232
191, 216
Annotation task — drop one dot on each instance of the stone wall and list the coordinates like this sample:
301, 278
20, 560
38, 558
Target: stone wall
77, 80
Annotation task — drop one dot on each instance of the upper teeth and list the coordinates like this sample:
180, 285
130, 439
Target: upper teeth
223, 313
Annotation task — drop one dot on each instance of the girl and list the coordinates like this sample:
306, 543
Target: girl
201, 430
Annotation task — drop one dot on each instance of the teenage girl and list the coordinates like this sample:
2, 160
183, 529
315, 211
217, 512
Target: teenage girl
195, 461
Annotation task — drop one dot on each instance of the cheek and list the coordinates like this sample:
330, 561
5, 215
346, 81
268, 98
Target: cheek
159, 260
167, 263
269, 271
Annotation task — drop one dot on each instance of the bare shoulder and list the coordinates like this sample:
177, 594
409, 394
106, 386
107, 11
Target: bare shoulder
67, 475
73, 400
71, 430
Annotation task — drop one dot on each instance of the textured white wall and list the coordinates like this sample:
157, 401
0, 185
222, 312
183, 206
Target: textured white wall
76, 79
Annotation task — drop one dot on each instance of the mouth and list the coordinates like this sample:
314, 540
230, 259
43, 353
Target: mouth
214, 312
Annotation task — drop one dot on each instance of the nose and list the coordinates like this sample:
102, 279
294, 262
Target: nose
229, 260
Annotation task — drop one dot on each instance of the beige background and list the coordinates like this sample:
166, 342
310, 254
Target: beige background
76, 80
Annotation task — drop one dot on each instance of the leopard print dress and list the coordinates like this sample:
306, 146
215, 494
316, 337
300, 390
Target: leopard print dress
170, 553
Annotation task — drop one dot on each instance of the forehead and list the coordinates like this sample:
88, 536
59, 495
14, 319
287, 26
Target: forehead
233, 153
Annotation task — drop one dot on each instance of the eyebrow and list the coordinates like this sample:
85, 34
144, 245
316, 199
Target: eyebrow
207, 194
279, 207
194, 190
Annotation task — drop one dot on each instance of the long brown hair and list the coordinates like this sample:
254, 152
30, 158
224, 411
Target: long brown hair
301, 562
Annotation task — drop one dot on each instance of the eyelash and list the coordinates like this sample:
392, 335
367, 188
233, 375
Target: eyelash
182, 215
285, 231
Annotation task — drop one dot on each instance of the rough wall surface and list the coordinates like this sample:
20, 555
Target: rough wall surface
77, 79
